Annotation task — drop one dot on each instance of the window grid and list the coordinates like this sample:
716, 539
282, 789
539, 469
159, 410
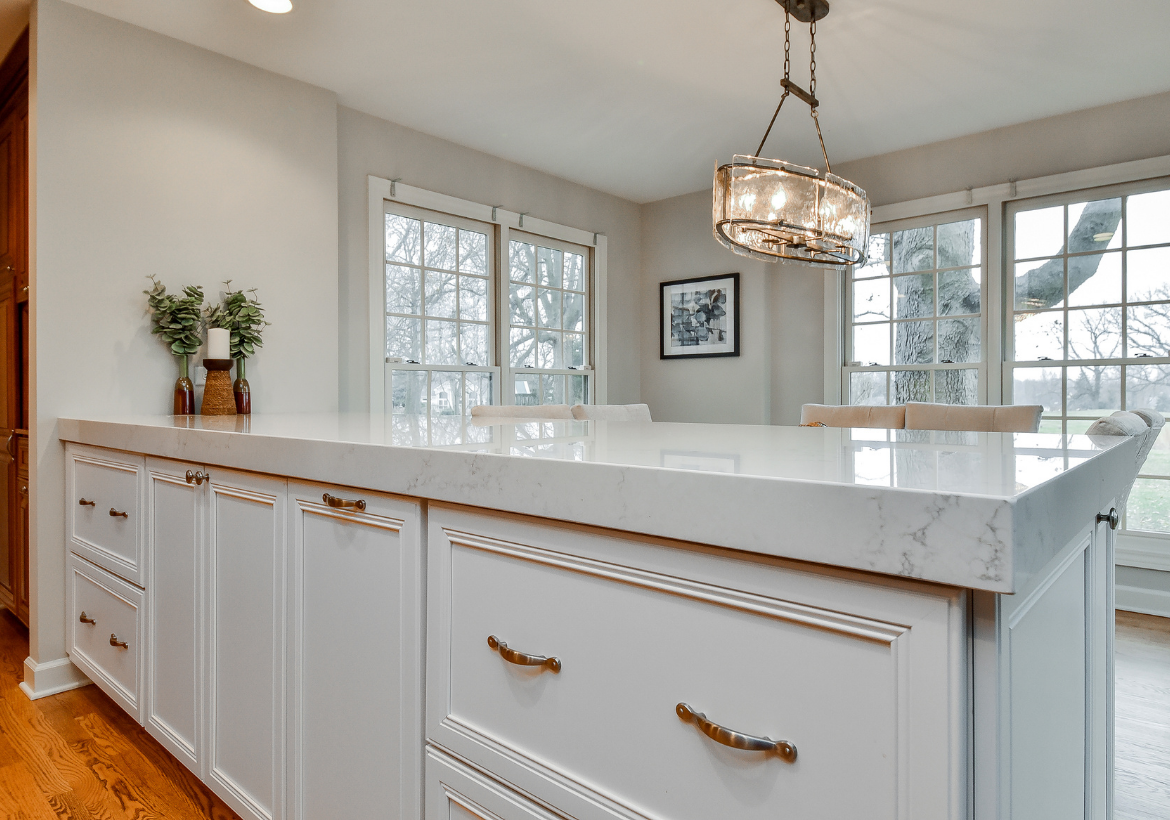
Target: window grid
1112, 339
437, 293
920, 282
548, 323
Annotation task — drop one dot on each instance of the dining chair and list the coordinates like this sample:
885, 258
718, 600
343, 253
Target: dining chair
831, 415
612, 412
521, 411
1010, 418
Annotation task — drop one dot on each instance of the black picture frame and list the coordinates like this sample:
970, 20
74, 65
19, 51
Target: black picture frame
668, 323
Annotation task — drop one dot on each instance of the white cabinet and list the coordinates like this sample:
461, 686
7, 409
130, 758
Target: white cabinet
245, 641
865, 681
103, 491
176, 509
356, 665
106, 631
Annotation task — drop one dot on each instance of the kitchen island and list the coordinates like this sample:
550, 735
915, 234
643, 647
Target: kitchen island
350, 615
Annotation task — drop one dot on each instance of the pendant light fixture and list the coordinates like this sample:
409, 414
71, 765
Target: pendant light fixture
773, 210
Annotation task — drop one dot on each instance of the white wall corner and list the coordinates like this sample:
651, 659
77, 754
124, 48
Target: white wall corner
51, 677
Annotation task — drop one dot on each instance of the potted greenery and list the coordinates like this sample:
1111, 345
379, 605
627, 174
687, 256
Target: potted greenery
177, 320
243, 315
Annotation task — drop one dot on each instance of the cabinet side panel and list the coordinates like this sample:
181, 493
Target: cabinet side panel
1048, 700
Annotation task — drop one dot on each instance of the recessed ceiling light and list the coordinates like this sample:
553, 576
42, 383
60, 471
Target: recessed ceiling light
274, 6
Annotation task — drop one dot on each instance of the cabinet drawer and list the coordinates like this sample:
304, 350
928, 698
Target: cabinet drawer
104, 613
22, 455
633, 645
103, 499
457, 792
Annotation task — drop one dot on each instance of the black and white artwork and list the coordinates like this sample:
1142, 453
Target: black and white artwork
700, 317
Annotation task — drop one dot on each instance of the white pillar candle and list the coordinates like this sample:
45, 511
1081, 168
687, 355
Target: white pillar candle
219, 343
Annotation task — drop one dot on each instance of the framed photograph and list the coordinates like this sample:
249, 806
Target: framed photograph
700, 317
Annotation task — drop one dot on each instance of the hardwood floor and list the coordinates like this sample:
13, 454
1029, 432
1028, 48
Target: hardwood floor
77, 755
1142, 750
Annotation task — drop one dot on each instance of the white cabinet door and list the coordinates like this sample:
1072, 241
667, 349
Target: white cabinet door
356, 655
245, 649
175, 508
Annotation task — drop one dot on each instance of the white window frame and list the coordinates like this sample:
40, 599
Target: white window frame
1133, 549
504, 223
847, 318
509, 373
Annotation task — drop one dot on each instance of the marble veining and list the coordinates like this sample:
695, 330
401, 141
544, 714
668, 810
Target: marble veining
979, 510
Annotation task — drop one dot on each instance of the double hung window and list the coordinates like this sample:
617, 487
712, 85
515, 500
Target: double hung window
548, 321
476, 312
917, 319
1090, 318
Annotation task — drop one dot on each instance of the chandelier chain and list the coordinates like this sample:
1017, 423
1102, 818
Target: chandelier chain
787, 64
812, 58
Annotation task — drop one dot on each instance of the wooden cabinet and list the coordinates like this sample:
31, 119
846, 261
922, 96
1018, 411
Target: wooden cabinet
14, 326
356, 667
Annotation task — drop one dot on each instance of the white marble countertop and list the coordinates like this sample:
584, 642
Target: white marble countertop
979, 510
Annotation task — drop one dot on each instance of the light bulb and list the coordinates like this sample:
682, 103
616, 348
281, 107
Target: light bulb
274, 6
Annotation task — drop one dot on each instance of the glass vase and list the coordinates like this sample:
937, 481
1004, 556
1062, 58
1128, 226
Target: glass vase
184, 391
240, 389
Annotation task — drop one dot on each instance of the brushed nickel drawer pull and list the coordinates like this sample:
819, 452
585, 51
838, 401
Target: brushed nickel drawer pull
84, 503
736, 740
343, 503
115, 642
115, 514
197, 477
521, 658
85, 619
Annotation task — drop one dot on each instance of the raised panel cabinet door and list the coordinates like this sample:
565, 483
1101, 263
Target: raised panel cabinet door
246, 638
175, 508
357, 654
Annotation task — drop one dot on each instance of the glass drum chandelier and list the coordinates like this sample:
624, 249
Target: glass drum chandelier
771, 210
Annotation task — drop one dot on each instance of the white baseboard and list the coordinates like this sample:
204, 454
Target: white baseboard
1145, 601
51, 677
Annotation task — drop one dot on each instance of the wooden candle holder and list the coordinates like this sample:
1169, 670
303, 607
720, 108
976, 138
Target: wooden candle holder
218, 398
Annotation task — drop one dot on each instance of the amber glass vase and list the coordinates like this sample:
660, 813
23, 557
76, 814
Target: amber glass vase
184, 391
240, 389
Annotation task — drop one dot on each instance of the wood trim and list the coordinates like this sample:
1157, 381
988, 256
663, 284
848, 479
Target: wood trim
14, 69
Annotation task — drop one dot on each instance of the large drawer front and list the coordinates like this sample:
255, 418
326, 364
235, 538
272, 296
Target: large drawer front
457, 792
633, 645
104, 502
105, 631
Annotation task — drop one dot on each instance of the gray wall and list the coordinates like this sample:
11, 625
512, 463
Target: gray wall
780, 365
368, 145
1122, 132
156, 157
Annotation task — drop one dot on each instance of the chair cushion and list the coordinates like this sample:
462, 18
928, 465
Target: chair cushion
1012, 418
831, 415
612, 412
514, 411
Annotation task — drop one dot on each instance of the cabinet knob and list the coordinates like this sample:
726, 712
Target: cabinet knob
197, 477
344, 503
115, 642
1112, 519
733, 739
116, 514
85, 619
85, 503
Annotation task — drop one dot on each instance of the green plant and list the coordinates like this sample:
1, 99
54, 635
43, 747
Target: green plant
243, 316
176, 318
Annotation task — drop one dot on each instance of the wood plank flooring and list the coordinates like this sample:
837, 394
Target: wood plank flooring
1142, 746
78, 755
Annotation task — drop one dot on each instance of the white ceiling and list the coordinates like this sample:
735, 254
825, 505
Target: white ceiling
640, 97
